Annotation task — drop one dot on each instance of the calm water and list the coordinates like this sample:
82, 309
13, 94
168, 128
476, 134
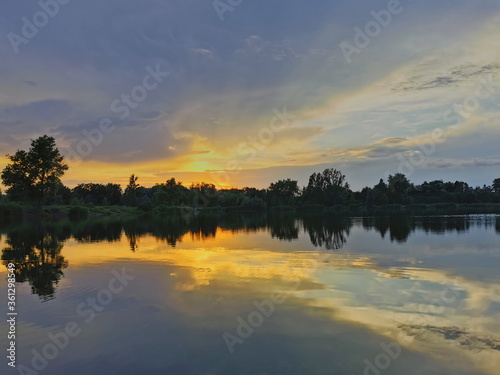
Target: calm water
256, 294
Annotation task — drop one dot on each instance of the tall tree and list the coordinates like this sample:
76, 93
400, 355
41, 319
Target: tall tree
329, 187
496, 185
36, 173
283, 192
399, 187
130, 195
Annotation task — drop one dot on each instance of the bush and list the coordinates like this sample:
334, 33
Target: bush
164, 210
78, 213
256, 203
445, 206
10, 212
76, 202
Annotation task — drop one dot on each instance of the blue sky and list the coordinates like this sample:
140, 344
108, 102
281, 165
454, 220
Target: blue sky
370, 113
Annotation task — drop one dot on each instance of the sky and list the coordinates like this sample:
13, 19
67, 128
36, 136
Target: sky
243, 93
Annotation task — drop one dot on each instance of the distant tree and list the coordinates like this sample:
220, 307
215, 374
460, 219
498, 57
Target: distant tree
399, 187
283, 192
34, 174
329, 187
255, 203
381, 193
496, 185
130, 195
170, 193
204, 194
63, 195
113, 194
229, 198
252, 192
96, 193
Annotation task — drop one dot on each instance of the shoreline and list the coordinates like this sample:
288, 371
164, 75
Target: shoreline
10, 212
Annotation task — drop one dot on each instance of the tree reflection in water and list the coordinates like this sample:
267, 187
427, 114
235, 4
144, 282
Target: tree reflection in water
36, 249
327, 231
38, 259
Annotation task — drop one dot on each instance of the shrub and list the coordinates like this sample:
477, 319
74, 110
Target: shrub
76, 202
78, 213
445, 206
257, 203
10, 212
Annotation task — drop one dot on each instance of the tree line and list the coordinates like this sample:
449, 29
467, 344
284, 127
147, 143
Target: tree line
34, 176
37, 250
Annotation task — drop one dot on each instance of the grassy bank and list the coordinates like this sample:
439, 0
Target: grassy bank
11, 212
17, 212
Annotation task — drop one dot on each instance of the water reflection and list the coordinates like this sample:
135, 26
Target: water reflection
36, 253
36, 250
283, 227
400, 227
437, 296
327, 231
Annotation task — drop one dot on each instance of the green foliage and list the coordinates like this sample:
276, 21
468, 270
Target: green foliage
283, 192
77, 202
78, 213
399, 188
229, 199
95, 193
10, 212
329, 187
204, 194
130, 195
171, 193
254, 203
496, 185
167, 211
34, 175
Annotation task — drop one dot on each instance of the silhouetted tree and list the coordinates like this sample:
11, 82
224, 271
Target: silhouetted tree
34, 174
496, 185
283, 192
171, 193
130, 195
329, 188
399, 188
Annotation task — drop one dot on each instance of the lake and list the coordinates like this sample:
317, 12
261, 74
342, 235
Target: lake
261, 294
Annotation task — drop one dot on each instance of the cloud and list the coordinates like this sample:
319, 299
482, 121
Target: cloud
451, 78
460, 164
228, 77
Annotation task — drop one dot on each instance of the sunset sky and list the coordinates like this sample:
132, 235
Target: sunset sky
264, 86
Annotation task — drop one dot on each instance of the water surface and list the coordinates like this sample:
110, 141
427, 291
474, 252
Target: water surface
258, 294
